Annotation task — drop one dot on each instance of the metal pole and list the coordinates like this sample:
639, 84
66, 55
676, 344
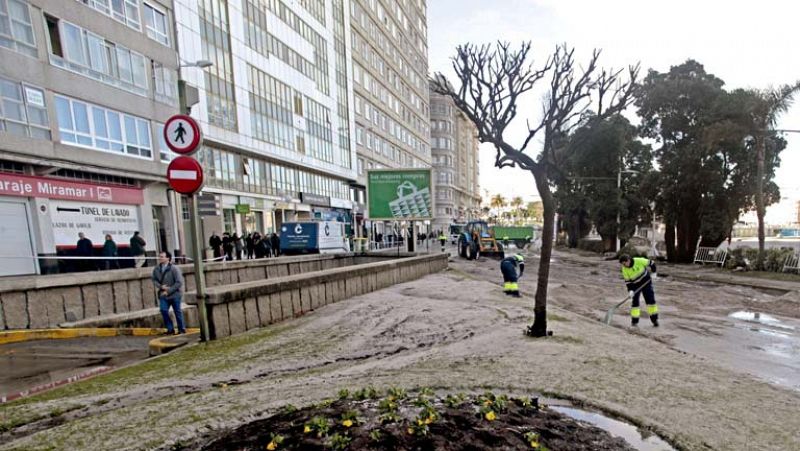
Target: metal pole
199, 274
619, 201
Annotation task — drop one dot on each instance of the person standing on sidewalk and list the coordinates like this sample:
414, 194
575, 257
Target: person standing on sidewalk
85, 248
137, 250
110, 250
636, 273
168, 281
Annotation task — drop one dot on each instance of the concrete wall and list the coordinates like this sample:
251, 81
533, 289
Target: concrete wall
46, 301
233, 309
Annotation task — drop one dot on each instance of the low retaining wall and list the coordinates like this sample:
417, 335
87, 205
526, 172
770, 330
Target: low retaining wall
39, 302
237, 308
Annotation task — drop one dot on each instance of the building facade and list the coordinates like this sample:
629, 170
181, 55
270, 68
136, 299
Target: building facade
391, 100
275, 108
85, 86
454, 145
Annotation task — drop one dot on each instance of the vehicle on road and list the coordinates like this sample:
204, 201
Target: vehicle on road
478, 238
455, 232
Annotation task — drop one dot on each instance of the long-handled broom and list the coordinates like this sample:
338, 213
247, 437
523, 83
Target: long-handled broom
612, 310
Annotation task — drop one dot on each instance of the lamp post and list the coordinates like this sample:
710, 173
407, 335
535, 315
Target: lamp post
619, 198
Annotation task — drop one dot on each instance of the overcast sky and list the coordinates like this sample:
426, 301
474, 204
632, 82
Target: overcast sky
745, 43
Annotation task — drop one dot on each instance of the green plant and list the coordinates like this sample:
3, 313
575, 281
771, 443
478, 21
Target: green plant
289, 408
396, 393
532, 438
350, 418
340, 441
318, 425
375, 435
390, 417
344, 393
366, 393
275, 440
454, 401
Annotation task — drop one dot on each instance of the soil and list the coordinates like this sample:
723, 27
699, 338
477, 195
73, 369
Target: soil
705, 379
460, 426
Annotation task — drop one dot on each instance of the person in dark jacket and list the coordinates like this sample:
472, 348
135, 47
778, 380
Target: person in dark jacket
275, 242
84, 248
248, 242
266, 247
227, 246
508, 266
137, 250
110, 250
215, 242
258, 250
168, 280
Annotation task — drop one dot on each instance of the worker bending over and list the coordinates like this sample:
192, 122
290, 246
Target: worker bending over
636, 272
508, 266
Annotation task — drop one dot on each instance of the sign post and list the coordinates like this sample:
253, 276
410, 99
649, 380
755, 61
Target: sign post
401, 195
185, 175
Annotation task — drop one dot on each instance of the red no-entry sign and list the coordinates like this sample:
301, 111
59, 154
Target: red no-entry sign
182, 134
185, 175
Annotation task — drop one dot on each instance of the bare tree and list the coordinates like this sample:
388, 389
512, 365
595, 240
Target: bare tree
492, 80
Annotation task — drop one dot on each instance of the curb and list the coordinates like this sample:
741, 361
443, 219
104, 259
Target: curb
163, 345
724, 280
16, 336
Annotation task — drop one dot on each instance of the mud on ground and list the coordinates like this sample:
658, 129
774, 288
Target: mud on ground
452, 331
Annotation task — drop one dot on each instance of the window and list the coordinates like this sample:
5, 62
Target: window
216, 45
99, 128
22, 110
155, 23
165, 81
271, 104
125, 11
81, 51
16, 32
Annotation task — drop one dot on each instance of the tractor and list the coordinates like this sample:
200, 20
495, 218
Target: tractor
478, 239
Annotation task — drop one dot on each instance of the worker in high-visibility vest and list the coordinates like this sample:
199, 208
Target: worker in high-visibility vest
508, 266
442, 239
636, 273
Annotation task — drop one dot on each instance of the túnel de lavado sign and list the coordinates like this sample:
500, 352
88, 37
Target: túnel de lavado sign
28, 186
94, 220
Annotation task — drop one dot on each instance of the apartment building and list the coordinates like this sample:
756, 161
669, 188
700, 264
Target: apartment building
275, 108
85, 87
454, 145
390, 67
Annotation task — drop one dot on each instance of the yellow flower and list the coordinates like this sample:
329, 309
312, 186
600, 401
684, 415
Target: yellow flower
419, 422
491, 416
223, 385
272, 446
488, 402
534, 444
410, 431
347, 423
306, 429
429, 420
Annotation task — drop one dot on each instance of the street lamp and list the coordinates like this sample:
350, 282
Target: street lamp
619, 197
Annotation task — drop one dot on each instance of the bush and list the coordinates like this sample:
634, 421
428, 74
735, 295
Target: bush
590, 245
632, 250
747, 258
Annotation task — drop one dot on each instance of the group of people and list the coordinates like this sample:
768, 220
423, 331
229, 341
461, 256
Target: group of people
110, 252
250, 245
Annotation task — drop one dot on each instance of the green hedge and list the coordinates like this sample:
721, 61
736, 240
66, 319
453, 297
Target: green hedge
746, 257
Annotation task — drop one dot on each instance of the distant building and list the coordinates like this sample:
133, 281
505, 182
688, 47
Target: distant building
454, 148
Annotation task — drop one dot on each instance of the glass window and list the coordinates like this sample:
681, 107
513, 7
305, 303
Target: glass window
96, 127
16, 31
125, 11
155, 22
73, 43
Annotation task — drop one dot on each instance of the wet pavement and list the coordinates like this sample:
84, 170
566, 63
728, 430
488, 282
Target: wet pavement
637, 438
30, 364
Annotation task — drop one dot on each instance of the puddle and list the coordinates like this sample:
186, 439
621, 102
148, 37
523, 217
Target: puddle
763, 318
630, 433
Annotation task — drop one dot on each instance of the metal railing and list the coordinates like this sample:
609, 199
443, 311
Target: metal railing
792, 263
710, 255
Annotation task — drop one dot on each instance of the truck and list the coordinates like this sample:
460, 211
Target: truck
519, 235
455, 232
313, 237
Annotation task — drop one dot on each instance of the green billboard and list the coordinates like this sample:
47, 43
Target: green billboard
399, 194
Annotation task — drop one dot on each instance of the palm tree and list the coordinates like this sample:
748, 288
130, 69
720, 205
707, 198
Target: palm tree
769, 105
498, 202
516, 202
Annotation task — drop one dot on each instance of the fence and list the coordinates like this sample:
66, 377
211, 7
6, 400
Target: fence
792, 263
710, 255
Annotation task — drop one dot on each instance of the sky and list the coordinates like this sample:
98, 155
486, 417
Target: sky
747, 44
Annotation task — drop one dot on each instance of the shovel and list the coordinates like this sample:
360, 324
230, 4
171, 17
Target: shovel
612, 310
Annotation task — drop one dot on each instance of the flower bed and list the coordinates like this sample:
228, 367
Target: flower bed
367, 420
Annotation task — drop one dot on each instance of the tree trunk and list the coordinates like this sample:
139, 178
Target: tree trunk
760, 197
669, 239
539, 328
